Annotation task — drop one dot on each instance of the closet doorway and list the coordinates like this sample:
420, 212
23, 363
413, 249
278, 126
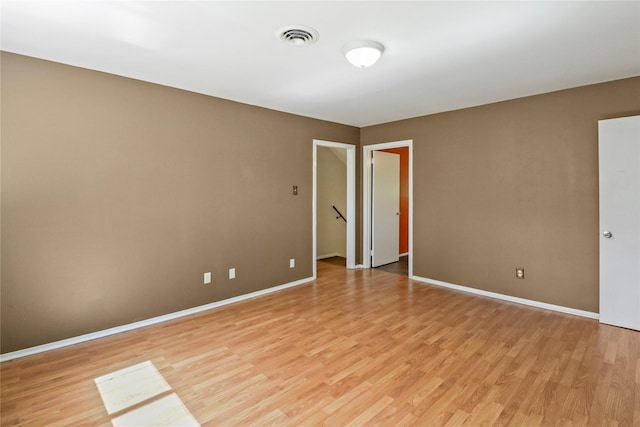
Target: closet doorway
371, 232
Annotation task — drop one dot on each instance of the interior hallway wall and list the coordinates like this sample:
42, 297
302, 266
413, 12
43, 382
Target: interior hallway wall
332, 191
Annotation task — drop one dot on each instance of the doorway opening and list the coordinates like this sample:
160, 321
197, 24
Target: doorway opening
405, 247
342, 210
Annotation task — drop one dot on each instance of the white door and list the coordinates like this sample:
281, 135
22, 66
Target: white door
619, 159
385, 208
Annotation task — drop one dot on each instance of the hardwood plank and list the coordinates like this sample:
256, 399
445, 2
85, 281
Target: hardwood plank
359, 347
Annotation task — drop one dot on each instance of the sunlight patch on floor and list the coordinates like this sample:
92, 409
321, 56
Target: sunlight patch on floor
168, 411
125, 389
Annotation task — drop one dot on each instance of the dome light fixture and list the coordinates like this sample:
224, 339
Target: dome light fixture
363, 53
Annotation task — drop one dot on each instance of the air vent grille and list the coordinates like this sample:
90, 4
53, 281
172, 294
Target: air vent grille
298, 35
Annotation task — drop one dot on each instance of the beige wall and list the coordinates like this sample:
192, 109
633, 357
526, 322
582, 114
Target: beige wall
512, 184
332, 191
117, 195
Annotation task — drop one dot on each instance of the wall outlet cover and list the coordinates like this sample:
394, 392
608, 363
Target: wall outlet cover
232, 273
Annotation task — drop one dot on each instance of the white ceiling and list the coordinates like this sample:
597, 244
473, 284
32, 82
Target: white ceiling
439, 56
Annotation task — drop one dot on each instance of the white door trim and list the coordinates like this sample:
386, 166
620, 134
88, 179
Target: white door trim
366, 198
351, 200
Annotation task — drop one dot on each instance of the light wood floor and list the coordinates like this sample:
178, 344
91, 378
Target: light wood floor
359, 347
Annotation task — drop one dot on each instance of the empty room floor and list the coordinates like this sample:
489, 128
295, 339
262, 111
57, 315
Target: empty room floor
355, 347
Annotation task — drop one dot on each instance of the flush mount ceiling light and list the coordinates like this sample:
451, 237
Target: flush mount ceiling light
363, 53
297, 35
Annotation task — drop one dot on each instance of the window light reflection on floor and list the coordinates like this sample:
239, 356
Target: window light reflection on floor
128, 388
167, 411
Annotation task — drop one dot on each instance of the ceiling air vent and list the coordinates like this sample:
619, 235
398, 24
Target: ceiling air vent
298, 35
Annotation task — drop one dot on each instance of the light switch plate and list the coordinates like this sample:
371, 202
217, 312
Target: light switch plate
232, 273
207, 278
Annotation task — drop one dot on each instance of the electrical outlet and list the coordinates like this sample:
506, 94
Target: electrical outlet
292, 263
207, 278
519, 272
232, 273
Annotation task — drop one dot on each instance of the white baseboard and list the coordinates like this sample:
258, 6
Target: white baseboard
404, 254
509, 298
142, 323
327, 256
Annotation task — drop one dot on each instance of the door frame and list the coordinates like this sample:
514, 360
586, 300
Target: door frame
351, 200
366, 198
385, 204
